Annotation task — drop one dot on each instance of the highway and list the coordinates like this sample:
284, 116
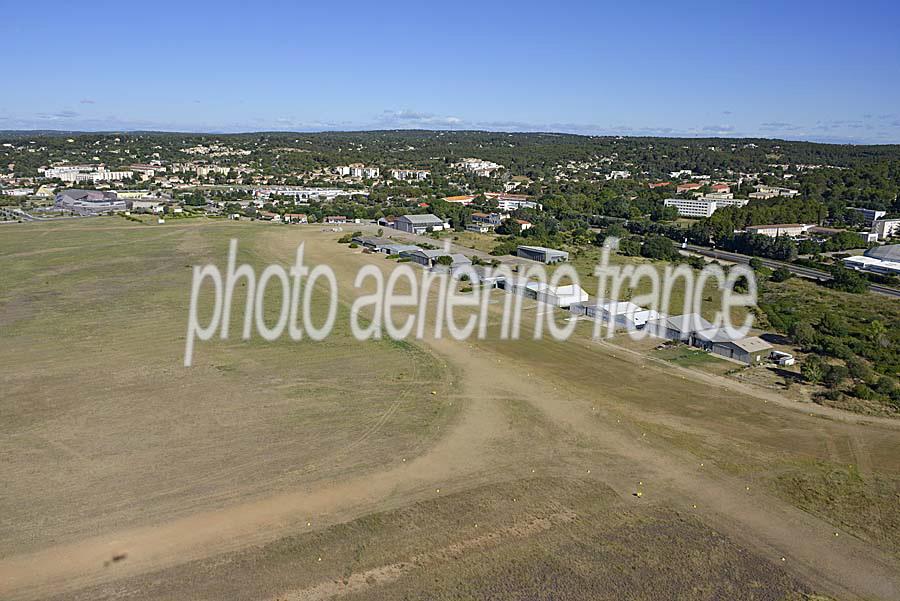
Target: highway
806, 272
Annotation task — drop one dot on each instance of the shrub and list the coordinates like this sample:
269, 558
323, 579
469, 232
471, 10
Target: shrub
782, 274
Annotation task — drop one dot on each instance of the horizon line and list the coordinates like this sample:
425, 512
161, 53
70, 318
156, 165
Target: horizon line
426, 130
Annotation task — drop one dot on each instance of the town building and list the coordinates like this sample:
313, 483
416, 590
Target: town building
886, 228
479, 227
462, 200
333, 219
303, 195
766, 192
489, 219
726, 200
86, 173
410, 174
688, 187
868, 215
692, 207
820, 233
513, 202
477, 166
357, 170
542, 254
779, 229
19, 192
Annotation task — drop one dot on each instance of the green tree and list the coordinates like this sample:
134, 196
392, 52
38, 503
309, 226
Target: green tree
658, 247
813, 369
847, 280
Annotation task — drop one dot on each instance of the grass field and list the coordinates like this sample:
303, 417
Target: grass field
518, 478
96, 399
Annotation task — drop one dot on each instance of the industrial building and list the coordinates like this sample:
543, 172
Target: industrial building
750, 350
419, 224
678, 327
542, 254
558, 296
884, 260
429, 258
623, 314
89, 202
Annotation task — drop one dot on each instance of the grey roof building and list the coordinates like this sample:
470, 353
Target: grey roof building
750, 350
419, 224
429, 258
89, 202
678, 327
542, 254
890, 252
396, 249
883, 260
372, 243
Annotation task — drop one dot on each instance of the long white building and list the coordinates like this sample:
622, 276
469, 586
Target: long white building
410, 174
692, 207
703, 206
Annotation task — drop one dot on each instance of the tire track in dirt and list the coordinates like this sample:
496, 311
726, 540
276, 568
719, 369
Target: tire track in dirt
362, 581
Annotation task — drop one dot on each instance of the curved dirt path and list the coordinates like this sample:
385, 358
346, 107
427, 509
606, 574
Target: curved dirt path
465, 456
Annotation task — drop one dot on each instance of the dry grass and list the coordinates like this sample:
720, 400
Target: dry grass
102, 428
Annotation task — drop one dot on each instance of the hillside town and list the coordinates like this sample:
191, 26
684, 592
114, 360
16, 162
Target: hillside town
262, 178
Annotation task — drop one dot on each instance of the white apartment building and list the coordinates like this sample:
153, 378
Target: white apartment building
477, 166
301, 195
727, 201
692, 207
765, 192
17, 191
779, 229
870, 216
513, 202
885, 228
410, 174
357, 170
101, 175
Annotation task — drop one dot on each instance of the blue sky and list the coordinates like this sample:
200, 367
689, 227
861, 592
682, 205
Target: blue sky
801, 70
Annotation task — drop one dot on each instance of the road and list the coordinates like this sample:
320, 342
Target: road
806, 272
